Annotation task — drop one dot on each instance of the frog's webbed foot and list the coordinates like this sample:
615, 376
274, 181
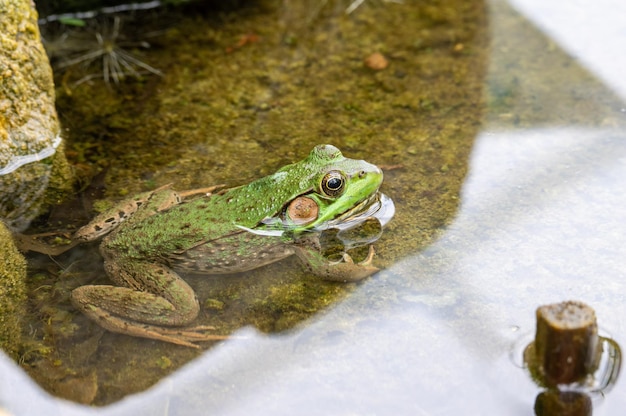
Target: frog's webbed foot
186, 336
344, 270
108, 315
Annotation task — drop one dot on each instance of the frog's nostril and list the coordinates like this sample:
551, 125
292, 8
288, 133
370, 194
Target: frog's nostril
362, 174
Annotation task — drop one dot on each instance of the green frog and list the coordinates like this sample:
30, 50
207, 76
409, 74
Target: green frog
154, 236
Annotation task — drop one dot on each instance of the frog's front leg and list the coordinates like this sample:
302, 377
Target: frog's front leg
155, 303
345, 270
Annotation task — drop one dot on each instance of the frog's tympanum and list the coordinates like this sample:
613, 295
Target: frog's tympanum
156, 235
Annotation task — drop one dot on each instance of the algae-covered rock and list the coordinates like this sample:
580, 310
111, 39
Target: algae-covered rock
30, 156
12, 292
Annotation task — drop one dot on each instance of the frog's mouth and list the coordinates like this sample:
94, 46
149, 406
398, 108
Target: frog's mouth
377, 205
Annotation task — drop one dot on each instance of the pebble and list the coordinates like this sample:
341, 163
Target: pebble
376, 61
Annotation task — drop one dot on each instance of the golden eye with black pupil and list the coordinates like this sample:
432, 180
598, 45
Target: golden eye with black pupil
333, 183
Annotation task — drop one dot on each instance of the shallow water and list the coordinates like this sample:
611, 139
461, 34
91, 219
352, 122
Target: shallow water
470, 255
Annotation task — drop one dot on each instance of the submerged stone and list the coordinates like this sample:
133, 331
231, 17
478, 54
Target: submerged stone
30, 144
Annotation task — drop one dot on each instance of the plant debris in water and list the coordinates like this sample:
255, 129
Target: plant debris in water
99, 46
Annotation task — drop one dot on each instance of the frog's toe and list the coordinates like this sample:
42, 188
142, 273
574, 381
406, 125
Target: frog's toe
347, 259
186, 336
370, 257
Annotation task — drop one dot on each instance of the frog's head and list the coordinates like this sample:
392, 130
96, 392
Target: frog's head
339, 188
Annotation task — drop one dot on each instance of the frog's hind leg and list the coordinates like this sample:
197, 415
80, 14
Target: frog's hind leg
185, 336
156, 304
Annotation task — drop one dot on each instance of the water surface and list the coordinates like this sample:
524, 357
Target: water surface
505, 164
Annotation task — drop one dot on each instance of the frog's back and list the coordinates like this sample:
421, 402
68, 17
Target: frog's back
203, 219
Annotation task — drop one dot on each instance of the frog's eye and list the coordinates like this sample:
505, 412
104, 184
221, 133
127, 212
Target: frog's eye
333, 183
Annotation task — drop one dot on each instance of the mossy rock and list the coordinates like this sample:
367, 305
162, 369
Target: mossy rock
33, 170
12, 293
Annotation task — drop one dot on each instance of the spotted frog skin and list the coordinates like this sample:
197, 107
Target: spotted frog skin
156, 235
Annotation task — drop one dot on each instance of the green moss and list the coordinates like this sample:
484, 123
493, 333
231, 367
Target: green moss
12, 293
163, 362
214, 304
61, 179
290, 303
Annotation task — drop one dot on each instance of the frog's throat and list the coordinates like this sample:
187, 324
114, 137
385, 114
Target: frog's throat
357, 214
358, 208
